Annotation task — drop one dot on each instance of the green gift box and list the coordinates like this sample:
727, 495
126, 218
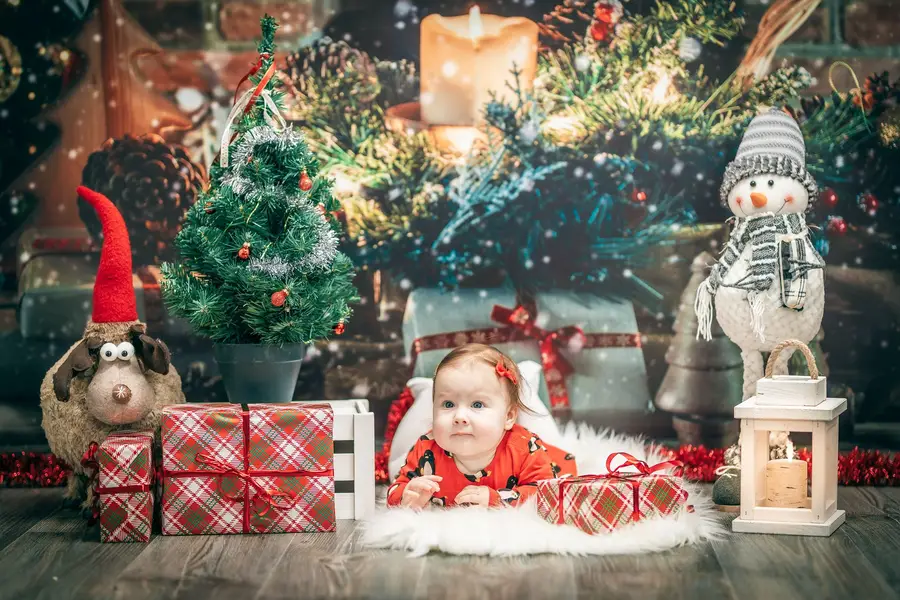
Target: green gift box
56, 296
589, 346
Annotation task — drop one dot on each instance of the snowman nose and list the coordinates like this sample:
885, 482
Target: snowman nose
759, 199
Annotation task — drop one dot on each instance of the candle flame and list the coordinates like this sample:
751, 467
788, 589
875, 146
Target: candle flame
661, 89
476, 28
789, 450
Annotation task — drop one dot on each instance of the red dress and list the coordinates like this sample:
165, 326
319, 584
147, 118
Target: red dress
521, 460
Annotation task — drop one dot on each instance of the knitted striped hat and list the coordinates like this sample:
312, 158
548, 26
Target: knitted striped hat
772, 144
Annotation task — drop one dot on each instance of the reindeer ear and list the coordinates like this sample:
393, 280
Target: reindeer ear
78, 361
153, 353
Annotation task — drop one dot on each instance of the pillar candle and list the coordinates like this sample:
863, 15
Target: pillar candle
465, 58
786, 483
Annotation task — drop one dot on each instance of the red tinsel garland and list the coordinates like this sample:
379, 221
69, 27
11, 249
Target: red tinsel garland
395, 414
32, 469
857, 467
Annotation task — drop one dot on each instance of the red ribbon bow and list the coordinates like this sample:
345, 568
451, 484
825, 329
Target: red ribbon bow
267, 496
502, 371
632, 479
254, 69
89, 458
556, 366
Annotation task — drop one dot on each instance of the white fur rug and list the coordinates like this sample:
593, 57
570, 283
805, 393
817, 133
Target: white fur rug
520, 530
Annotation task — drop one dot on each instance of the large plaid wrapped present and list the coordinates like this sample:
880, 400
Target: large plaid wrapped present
589, 346
124, 493
602, 503
262, 468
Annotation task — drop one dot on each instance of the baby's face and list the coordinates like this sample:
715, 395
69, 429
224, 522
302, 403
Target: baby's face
471, 412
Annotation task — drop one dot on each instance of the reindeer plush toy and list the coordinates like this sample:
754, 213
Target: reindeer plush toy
116, 377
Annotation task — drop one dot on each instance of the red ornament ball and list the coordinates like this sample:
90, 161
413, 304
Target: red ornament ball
279, 298
244, 252
869, 203
208, 207
639, 196
837, 225
339, 328
828, 198
606, 15
305, 182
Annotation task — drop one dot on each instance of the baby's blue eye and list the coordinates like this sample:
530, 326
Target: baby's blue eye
478, 404
446, 404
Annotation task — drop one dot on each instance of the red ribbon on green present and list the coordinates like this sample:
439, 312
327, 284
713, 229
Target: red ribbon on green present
633, 479
556, 366
519, 324
249, 499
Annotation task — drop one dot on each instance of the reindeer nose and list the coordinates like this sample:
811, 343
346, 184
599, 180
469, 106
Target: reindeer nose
121, 393
759, 199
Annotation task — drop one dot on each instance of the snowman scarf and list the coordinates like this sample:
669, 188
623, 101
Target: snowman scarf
779, 250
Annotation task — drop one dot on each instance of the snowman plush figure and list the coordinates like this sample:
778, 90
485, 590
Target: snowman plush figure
768, 284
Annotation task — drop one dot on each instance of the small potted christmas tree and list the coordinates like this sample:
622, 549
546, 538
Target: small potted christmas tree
259, 269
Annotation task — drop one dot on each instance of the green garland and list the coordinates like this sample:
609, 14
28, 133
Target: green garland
618, 144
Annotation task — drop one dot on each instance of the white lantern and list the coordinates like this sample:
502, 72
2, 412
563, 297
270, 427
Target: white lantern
774, 495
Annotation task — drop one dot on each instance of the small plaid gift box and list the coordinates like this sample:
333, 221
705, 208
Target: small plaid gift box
601, 503
124, 470
263, 468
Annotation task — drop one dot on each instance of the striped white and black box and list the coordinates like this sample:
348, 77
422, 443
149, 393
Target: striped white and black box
354, 458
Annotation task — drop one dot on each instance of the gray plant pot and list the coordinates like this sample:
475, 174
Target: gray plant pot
259, 373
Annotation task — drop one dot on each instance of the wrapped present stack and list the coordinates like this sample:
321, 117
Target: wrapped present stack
590, 347
601, 503
230, 469
123, 490
262, 468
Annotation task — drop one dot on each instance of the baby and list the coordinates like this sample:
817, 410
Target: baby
476, 453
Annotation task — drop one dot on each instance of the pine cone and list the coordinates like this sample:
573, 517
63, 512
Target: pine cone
323, 58
152, 183
10, 68
567, 23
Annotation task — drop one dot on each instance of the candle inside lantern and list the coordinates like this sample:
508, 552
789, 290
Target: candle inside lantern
786, 481
464, 59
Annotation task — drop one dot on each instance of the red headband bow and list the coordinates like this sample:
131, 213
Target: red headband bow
502, 371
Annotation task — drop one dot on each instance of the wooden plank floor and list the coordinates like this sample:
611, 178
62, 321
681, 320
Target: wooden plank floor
47, 552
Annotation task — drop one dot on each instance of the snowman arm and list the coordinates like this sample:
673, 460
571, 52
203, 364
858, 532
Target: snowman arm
716, 274
730, 255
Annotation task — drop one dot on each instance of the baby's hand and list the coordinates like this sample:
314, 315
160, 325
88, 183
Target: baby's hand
474, 495
419, 491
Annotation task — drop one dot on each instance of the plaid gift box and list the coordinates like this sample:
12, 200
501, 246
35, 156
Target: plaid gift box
124, 463
266, 468
600, 503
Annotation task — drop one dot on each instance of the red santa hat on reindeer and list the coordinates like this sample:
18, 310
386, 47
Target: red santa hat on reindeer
114, 299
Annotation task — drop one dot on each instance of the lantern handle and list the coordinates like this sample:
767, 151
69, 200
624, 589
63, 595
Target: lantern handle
807, 353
